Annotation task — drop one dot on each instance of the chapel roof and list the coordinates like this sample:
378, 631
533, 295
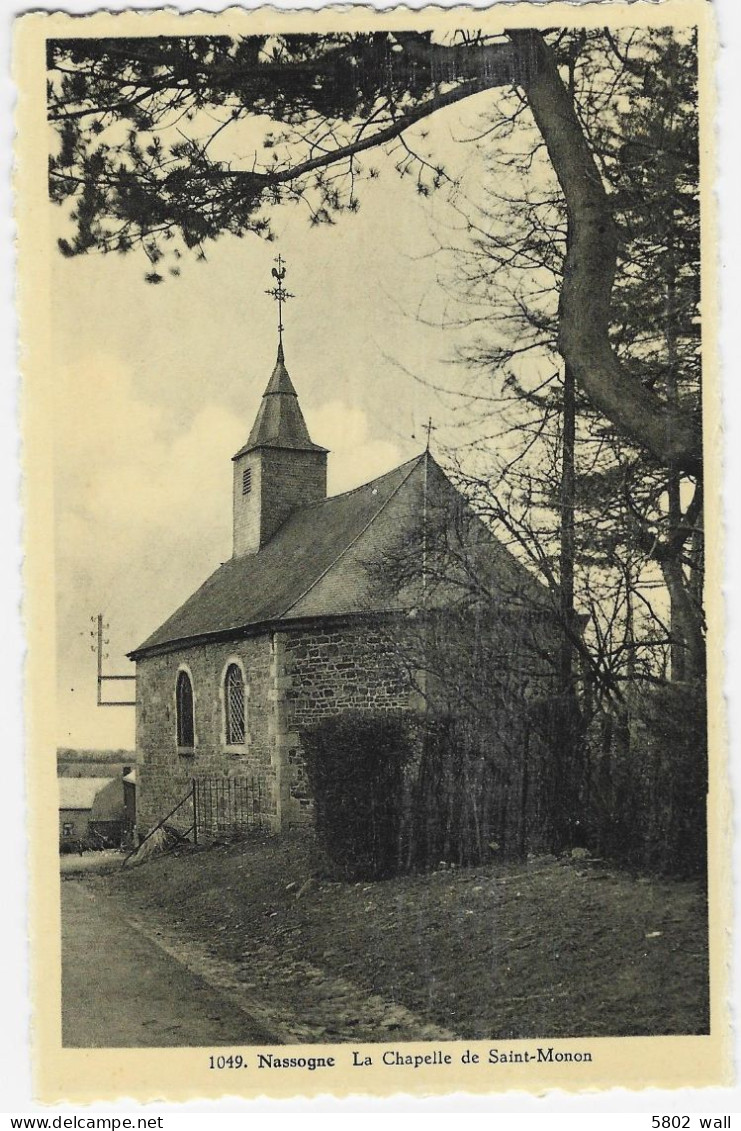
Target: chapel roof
324, 562
279, 422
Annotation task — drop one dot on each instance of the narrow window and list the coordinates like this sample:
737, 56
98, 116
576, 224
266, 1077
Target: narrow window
234, 705
184, 697
247, 481
67, 829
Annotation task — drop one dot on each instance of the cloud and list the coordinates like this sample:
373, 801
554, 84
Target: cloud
355, 455
143, 515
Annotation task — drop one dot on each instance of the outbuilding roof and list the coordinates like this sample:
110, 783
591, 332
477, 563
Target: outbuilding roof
79, 793
328, 560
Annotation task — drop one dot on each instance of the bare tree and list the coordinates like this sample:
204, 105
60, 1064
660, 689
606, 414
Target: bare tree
333, 98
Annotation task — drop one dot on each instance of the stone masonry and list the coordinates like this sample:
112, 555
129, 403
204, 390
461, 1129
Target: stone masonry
328, 671
164, 771
294, 677
318, 609
280, 482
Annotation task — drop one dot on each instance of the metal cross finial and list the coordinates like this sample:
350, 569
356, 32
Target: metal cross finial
279, 293
429, 429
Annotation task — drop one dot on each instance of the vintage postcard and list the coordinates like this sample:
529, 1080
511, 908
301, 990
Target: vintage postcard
371, 435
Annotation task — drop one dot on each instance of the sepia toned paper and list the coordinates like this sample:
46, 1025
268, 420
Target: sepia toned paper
136, 394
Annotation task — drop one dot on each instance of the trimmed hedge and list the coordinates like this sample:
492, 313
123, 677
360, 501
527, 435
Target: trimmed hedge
458, 798
397, 793
355, 764
646, 786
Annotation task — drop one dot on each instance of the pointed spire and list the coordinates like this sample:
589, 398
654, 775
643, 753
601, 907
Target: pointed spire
280, 382
279, 422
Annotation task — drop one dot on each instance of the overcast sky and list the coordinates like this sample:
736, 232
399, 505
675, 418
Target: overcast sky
158, 386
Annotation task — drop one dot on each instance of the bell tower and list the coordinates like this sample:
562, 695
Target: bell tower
280, 468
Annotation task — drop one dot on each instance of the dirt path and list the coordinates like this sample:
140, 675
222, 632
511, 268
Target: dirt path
120, 989
160, 984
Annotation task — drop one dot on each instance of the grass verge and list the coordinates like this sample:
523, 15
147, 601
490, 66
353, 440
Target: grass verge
543, 948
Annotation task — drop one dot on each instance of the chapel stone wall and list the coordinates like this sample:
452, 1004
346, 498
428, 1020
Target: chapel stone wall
297, 676
328, 671
165, 772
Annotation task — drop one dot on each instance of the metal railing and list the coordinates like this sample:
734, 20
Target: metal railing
228, 806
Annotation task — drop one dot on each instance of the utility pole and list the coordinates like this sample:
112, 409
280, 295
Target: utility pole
103, 679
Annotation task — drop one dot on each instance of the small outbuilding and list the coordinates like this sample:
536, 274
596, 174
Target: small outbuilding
76, 797
109, 825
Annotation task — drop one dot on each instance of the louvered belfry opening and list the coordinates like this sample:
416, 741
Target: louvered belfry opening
234, 700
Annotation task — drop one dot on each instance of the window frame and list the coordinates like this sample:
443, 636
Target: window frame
233, 747
184, 673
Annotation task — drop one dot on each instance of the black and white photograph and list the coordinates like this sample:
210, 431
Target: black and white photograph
372, 411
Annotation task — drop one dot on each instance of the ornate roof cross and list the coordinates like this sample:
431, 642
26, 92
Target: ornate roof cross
429, 429
279, 293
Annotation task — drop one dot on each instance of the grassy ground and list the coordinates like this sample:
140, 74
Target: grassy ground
547, 948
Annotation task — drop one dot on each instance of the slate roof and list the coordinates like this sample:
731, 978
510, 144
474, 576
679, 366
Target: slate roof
79, 793
279, 422
319, 563
108, 803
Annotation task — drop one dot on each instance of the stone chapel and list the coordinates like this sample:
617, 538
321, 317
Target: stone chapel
320, 610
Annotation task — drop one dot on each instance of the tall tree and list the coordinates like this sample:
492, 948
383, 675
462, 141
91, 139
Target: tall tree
332, 98
636, 522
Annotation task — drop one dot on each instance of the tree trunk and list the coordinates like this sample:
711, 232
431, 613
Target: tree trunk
589, 273
686, 621
687, 643
567, 544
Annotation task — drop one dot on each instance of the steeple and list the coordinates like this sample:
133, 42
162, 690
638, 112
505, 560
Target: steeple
280, 422
280, 468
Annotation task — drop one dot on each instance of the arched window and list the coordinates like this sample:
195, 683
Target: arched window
234, 705
184, 700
